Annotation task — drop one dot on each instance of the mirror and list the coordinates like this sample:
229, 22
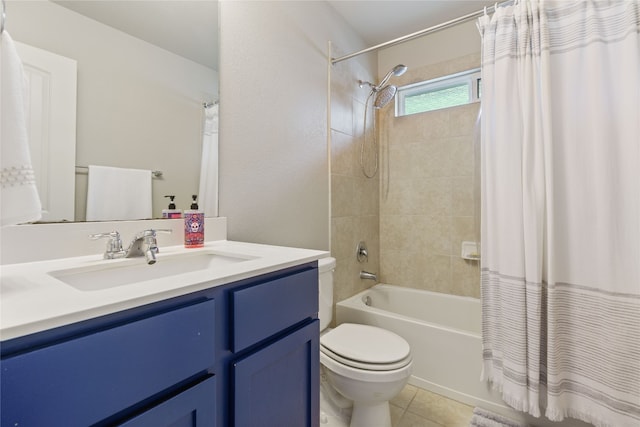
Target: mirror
145, 69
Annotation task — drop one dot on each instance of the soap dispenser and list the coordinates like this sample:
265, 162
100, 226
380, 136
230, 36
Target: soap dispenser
171, 212
193, 226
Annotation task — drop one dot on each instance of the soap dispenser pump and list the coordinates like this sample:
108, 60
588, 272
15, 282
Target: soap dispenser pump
193, 225
171, 211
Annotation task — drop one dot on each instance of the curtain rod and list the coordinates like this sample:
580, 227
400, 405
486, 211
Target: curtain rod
424, 32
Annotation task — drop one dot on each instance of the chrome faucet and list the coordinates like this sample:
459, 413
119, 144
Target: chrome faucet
368, 276
114, 244
145, 243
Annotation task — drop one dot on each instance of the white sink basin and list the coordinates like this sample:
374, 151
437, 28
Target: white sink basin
109, 274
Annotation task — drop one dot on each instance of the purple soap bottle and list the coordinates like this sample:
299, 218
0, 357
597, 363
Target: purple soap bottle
193, 226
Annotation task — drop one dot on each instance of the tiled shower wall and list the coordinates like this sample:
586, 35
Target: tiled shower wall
354, 198
426, 192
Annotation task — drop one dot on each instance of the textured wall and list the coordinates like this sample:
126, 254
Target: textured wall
274, 180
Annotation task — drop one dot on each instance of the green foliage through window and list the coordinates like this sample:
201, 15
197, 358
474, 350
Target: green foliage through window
437, 99
444, 92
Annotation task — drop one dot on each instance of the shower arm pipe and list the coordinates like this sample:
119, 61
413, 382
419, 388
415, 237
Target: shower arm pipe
424, 32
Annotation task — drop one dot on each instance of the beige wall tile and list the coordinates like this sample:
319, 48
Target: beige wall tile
343, 154
343, 191
424, 234
341, 111
462, 197
462, 155
430, 158
431, 196
436, 273
396, 233
462, 229
401, 198
467, 62
465, 277
419, 208
462, 119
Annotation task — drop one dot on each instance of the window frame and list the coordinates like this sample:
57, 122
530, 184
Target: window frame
470, 77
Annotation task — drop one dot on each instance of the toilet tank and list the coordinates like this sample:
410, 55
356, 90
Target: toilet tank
326, 266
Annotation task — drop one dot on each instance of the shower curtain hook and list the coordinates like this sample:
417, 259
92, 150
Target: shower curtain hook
485, 11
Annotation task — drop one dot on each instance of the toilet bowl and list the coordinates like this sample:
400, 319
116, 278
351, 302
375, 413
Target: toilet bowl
365, 364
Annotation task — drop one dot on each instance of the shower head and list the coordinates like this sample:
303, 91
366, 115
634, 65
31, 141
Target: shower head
398, 70
384, 95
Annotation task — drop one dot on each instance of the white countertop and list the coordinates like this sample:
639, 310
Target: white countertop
31, 300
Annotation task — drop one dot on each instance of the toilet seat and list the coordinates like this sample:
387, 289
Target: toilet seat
366, 366
366, 347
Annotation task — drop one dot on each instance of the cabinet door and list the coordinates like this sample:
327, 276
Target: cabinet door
91, 378
195, 407
278, 385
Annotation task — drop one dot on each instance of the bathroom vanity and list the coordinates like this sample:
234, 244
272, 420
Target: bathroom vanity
234, 345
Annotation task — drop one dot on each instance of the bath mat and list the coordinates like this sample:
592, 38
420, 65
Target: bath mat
483, 418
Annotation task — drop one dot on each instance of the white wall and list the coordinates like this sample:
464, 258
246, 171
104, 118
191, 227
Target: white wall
441, 46
274, 173
138, 105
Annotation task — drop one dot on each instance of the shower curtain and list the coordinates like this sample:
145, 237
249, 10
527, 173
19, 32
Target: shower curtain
560, 210
208, 193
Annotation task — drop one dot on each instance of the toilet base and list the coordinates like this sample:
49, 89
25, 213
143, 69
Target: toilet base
373, 414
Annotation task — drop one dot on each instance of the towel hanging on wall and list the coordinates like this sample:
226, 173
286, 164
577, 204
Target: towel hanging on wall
19, 198
118, 194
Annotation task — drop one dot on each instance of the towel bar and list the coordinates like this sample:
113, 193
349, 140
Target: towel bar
83, 170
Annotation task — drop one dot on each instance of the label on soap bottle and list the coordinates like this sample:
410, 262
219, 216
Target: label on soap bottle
193, 229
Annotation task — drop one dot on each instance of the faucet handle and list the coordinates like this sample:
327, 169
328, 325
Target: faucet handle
151, 232
114, 244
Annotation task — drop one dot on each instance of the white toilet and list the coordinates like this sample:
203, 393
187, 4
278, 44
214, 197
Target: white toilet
365, 364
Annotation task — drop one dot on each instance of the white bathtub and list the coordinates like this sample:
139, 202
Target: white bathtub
443, 332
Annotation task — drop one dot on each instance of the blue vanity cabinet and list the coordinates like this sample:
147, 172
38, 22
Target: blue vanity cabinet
276, 367
192, 408
243, 354
278, 385
109, 372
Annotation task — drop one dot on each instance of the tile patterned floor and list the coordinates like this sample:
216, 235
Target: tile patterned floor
415, 407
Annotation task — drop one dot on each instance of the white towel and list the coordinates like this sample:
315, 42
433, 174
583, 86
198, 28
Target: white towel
118, 194
19, 200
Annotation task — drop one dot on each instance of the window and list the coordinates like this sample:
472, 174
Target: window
444, 92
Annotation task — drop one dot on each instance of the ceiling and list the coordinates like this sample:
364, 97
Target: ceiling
187, 27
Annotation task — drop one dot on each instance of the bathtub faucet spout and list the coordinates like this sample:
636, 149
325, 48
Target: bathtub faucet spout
368, 276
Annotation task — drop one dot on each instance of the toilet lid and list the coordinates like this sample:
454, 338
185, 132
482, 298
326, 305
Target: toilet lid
366, 344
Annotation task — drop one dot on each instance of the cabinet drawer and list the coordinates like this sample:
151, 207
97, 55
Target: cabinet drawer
84, 380
195, 407
267, 308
